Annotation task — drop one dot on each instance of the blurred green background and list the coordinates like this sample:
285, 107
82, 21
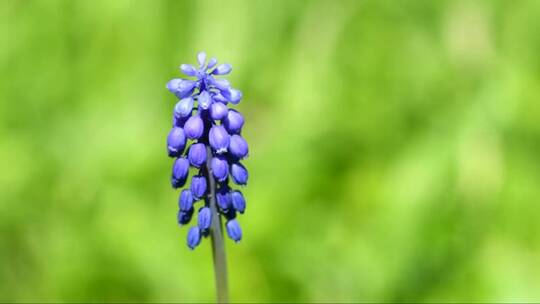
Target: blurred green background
394, 149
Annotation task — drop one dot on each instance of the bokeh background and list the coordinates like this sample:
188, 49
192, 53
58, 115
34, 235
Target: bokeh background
394, 149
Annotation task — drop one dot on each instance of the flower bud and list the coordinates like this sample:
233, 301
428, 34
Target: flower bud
193, 237
238, 201
233, 122
233, 230
204, 100
239, 174
223, 198
177, 183
194, 127
198, 186
221, 84
219, 139
185, 88
220, 168
180, 172
176, 141
188, 69
218, 110
197, 154
238, 147
201, 58
222, 69
205, 218
172, 85
220, 98
232, 95
211, 63
184, 107
184, 216
185, 201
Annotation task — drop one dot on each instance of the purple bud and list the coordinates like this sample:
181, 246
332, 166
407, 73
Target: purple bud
223, 198
211, 63
172, 85
238, 201
193, 237
219, 139
180, 170
197, 154
221, 84
238, 147
185, 88
198, 186
234, 231
201, 58
232, 95
184, 216
222, 69
218, 110
205, 218
188, 69
220, 98
220, 168
185, 201
177, 183
233, 122
204, 100
194, 127
239, 174
184, 107
176, 141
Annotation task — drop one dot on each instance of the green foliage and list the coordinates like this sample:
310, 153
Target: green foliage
394, 149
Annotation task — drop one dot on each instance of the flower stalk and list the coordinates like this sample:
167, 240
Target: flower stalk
216, 236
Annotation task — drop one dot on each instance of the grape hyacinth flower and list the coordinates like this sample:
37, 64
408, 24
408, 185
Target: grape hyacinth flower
203, 116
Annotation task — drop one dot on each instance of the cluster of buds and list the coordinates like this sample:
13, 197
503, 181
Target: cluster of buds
206, 136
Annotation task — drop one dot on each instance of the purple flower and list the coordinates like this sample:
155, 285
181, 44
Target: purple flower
197, 155
233, 230
185, 201
194, 237
238, 147
194, 127
232, 95
239, 174
218, 110
184, 107
181, 87
223, 198
198, 186
188, 69
202, 113
205, 100
222, 69
220, 168
180, 172
205, 218
238, 201
184, 216
176, 141
233, 122
219, 139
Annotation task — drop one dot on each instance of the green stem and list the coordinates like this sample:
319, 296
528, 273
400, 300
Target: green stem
216, 236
